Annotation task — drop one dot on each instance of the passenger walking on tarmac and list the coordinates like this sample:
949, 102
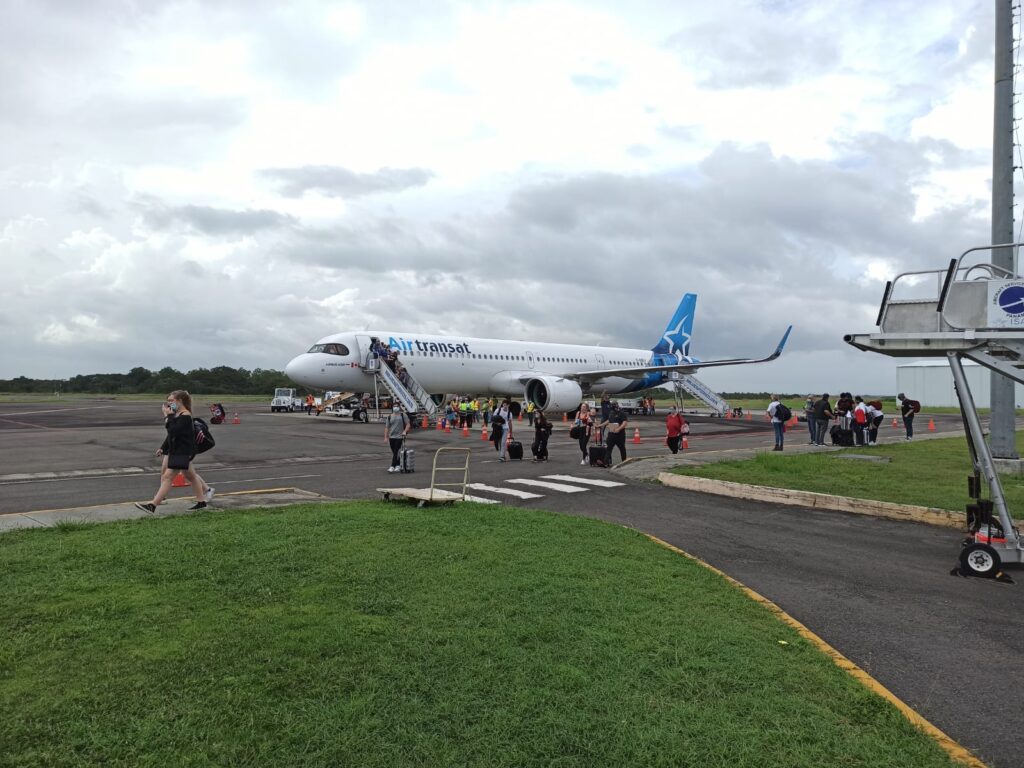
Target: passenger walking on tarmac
675, 428
844, 410
178, 451
809, 415
908, 408
395, 429
583, 425
501, 426
875, 416
822, 416
310, 403
860, 420
778, 423
541, 433
616, 423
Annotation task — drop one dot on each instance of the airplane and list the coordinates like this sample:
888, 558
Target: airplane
554, 377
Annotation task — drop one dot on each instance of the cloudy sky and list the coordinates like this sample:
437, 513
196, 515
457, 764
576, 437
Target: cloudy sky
222, 183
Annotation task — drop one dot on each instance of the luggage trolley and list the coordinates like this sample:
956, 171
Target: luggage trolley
977, 313
436, 493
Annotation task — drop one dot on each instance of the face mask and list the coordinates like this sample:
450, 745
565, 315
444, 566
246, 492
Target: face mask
173, 407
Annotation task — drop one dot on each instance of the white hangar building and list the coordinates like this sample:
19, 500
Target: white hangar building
931, 382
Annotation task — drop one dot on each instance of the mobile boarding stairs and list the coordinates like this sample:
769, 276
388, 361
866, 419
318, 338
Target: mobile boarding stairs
976, 312
413, 397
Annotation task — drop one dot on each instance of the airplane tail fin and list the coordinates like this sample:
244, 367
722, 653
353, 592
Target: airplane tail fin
676, 338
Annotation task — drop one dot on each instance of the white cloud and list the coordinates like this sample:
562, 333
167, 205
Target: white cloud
587, 156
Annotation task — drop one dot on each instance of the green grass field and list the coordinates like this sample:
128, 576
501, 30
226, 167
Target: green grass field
931, 473
367, 634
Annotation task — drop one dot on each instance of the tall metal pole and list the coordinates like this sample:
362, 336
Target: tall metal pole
1002, 438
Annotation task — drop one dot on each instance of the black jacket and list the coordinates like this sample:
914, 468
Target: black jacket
181, 436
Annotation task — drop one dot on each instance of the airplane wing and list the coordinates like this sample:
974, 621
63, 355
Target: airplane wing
639, 372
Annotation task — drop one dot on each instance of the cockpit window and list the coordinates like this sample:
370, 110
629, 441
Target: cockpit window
330, 349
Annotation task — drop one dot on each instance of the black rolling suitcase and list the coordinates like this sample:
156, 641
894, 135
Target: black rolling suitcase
597, 453
840, 436
515, 450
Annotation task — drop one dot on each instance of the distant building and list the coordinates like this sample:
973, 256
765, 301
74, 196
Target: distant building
931, 382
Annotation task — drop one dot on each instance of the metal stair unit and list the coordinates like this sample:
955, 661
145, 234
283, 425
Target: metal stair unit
698, 389
966, 319
411, 395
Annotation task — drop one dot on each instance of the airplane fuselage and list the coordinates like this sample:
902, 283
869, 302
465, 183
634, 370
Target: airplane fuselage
459, 364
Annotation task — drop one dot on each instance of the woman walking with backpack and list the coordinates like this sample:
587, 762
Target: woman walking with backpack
178, 451
581, 429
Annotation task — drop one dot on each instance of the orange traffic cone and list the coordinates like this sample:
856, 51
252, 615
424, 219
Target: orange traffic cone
728, 414
440, 426
425, 423
483, 434
636, 435
894, 421
180, 481
686, 443
236, 420
565, 417
931, 425
448, 427
792, 421
465, 431
520, 416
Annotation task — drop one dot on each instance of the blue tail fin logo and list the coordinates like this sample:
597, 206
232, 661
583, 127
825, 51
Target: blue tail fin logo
676, 339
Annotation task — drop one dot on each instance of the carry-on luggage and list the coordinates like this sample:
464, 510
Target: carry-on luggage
408, 458
840, 436
515, 450
597, 453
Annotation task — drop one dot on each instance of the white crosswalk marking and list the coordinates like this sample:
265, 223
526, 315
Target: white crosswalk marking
584, 480
481, 499
509, 491
551, 486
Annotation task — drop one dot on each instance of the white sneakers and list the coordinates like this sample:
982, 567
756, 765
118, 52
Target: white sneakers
209, 494
393, 469
583, 461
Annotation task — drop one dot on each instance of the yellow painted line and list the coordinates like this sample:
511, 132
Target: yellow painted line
955, 750
128, 503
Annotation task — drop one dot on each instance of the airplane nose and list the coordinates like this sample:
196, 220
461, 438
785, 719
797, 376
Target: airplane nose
294, 368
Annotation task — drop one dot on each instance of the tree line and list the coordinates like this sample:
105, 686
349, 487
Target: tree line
203, 381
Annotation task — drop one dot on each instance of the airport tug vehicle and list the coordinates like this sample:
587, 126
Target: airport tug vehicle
974, 311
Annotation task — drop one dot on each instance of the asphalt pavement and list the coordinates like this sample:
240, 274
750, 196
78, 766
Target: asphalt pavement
879, 591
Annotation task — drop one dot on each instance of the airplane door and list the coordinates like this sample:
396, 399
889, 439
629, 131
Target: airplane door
600, 359
363, 353
529, 360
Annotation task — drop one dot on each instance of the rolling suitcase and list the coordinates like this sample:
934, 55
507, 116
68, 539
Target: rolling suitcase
408, 458
597, 454
840, 436
515, 450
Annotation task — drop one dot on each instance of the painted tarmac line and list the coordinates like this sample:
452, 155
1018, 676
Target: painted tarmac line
60, 410
129, 503
584, 480
261, 479
951, 747
550, 486
509, 491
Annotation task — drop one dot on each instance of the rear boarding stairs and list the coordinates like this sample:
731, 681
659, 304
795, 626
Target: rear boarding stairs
976, 311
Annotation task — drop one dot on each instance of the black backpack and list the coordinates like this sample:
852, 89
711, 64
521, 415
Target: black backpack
204, 438
782, 412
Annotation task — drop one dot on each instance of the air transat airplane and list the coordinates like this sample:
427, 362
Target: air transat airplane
551, 376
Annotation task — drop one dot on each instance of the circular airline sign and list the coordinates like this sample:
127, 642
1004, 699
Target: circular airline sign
1011, 300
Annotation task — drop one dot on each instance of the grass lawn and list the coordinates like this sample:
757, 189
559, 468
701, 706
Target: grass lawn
932, 473
380, 635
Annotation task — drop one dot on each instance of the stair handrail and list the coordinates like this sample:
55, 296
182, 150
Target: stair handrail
397, 389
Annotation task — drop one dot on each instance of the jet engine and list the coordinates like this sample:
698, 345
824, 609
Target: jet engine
549, 393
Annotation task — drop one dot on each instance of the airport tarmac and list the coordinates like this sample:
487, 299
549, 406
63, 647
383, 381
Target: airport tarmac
877, 590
